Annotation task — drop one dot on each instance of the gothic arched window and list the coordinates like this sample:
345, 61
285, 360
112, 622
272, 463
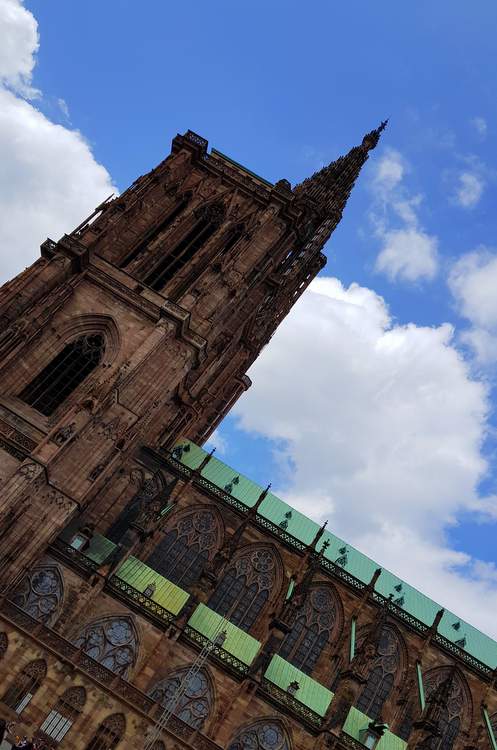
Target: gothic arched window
25, 684
382, 675
112, 642
311, 630
183, 252
244, 589
47, 391
405, 727
40, 593
450, 721
195, 696
109, 733
267, 734
181, 555
66, 711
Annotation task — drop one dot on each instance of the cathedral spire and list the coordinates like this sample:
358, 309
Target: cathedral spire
330, 188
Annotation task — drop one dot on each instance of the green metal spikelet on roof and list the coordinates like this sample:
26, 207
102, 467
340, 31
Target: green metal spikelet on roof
141, 577
238, 643
310, 693
356, 722
360, 566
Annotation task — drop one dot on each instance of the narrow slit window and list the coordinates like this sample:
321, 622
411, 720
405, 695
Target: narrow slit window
50, 388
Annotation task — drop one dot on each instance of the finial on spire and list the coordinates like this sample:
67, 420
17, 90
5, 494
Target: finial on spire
371, 139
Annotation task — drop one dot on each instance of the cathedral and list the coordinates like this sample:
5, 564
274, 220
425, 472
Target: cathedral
152, 597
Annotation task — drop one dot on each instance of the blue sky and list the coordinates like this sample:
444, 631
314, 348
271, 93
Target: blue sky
284, 88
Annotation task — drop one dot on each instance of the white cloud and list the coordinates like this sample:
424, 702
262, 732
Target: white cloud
382, 430
469, 190
408, 253
473, 281
49, 178
218, 442
19, 34
480, 125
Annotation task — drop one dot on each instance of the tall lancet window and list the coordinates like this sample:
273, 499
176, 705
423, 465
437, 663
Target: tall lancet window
50, 388
311, 629
189, 699
186, 547
450, 721
161, 227
109, 734
382, 675
244, 589
183, 252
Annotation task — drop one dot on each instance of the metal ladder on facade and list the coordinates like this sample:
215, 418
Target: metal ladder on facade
217, 639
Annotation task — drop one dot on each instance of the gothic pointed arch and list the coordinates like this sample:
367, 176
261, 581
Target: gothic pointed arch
109, 733
387, 669
25, 684
111, 641
41, 593
191, 540
195, 691
316, 624
249, 581
265, 734
459, 707
78, 347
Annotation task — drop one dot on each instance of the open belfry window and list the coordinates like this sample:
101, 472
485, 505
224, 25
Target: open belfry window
382, 675
208, 221
25, 685
50, 388
161, 227
66, 711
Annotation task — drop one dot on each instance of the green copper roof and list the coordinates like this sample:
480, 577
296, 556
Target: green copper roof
139, 575
356, 722
238, 643
215, 152
351, 560
99, 549
310, 693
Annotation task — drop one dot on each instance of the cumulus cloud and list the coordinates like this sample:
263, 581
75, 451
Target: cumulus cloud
469, 190
49, 178
218, 442
473, 281
408, 253
382, 430
480, 125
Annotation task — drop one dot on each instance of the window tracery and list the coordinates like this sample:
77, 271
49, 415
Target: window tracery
109, 733
244, 589
112, 642
194, 704
267, 734
184, 550
450, 722
40, 593
311, 630
24, 685
62, 375
382, 675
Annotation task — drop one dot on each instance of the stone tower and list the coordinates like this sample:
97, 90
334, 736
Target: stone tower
138, 328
